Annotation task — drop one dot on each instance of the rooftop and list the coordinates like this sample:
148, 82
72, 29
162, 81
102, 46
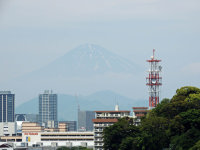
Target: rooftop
140, 107
112, 111
5, 92
104, 120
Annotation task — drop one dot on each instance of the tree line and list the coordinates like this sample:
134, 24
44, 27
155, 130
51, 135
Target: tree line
173, 125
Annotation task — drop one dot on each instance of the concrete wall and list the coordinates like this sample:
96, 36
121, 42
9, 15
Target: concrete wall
7, 128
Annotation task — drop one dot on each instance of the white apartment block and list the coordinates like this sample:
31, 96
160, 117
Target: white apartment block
105, 119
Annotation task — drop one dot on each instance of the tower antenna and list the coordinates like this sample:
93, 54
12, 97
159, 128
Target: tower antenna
76, 97
154, 81
154, 53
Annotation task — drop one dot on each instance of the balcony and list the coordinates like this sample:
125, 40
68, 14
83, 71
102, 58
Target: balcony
98, 130
98, 135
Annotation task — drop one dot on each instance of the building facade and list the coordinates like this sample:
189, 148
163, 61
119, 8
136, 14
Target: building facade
7, 106
32, 127
7, 128
138, 113
85, 120
47, 108
105, 119
68, 139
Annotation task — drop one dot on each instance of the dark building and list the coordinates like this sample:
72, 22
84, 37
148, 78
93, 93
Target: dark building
48, 109
7, 106
85, 120
71, 125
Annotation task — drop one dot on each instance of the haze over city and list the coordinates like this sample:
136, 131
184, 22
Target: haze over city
34, 34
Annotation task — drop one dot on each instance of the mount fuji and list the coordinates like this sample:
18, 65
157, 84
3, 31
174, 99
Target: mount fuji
84, 70
87, 60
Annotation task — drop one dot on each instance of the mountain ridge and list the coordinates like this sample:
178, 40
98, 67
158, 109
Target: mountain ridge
68, 104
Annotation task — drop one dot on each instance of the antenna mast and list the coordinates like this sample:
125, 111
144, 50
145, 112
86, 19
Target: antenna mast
76, 97
154, 81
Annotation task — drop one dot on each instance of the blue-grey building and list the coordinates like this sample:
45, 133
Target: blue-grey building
71, 125
85, 120
7, 106
48, 109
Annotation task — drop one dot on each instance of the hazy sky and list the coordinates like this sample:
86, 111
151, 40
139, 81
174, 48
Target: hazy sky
35, 32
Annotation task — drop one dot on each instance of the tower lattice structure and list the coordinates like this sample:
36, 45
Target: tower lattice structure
154, 81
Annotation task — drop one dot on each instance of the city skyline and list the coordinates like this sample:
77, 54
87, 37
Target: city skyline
95, 55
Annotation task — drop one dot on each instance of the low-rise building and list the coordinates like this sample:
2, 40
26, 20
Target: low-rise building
59, 138
34, 134
7, 128
51, 139
31, 127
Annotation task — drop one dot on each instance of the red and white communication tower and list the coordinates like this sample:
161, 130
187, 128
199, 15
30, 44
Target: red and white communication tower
154, 81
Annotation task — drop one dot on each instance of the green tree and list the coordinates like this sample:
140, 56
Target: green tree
186, 140
115, 134
154, 133
131, 143
196, 146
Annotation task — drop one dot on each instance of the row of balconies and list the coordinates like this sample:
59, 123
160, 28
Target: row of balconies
102, 125
98, 130
110, 115
68, 138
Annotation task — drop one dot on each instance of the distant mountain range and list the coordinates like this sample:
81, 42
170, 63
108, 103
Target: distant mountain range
68, 104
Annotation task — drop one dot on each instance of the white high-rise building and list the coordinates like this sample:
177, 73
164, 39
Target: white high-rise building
48, 109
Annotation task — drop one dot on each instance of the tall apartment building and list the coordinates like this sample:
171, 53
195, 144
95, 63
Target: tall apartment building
7, 106
105, 119
48, 108
85, 120
7, 113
